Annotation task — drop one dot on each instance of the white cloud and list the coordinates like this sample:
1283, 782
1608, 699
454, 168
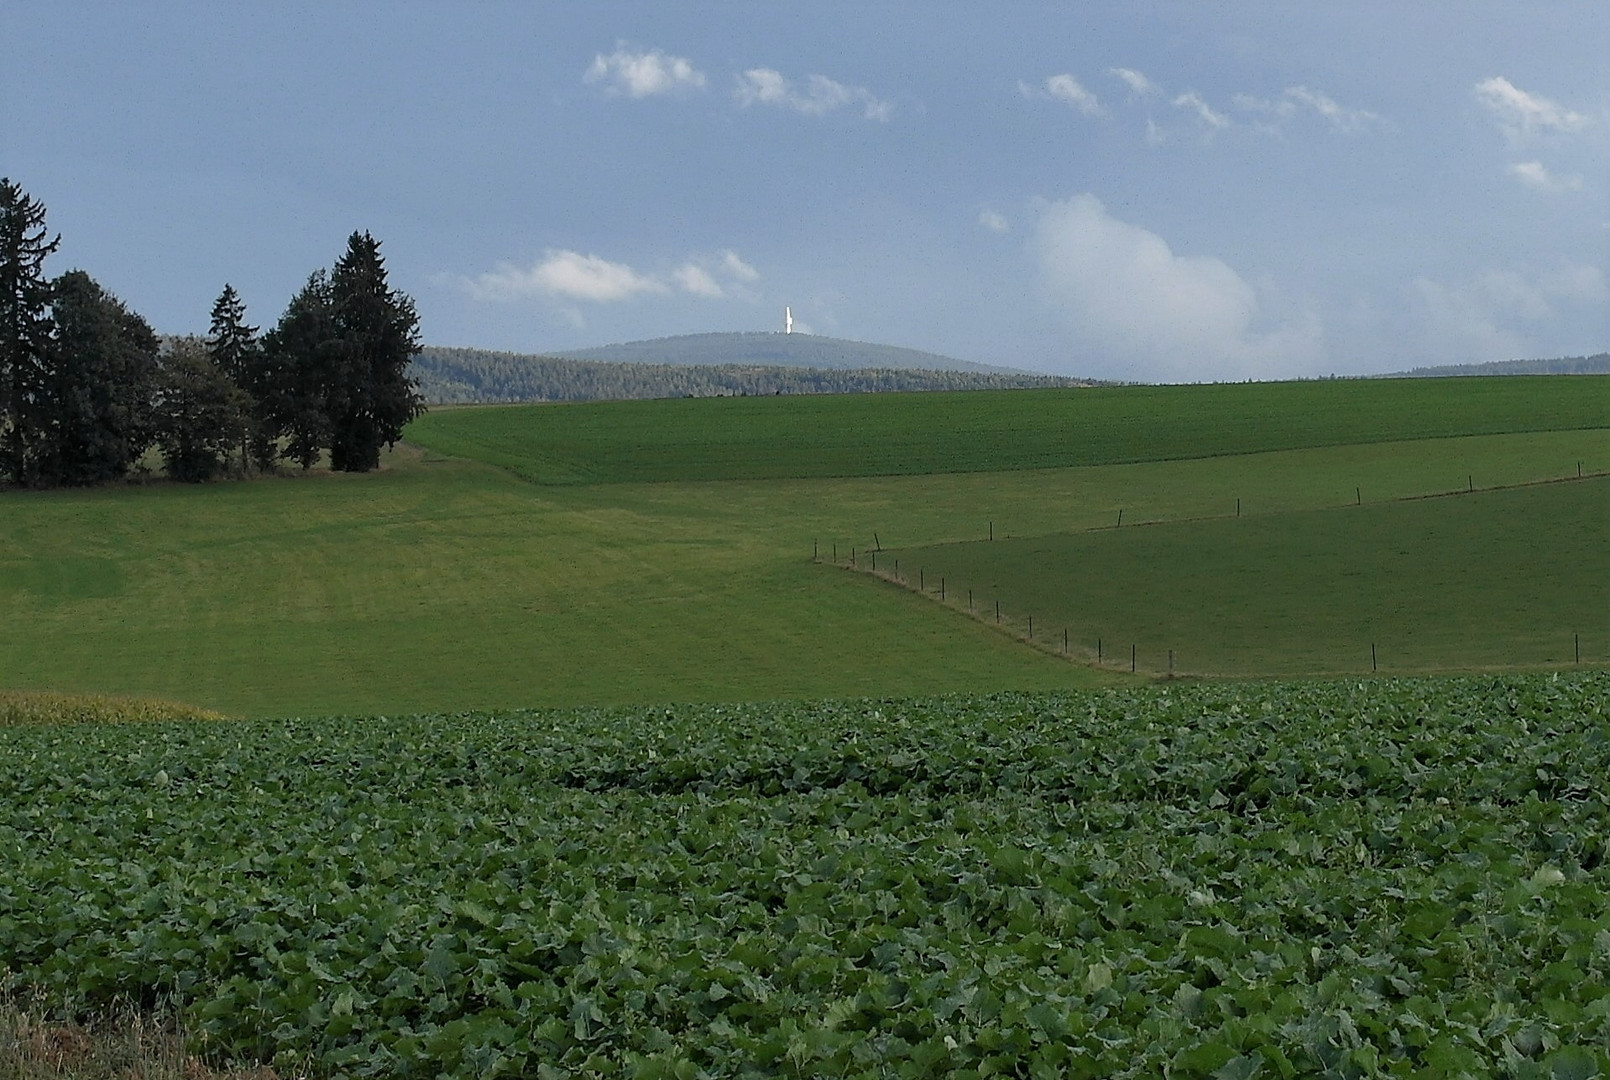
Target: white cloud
1192, 102
1339, 117
821, 95
1520, 114
1064, 88
642, 74
1296, 99
736, 268
1067, 88
1126, 296
570, 275
567, 274
1138, 84
691, 278
992, 221
1534, 175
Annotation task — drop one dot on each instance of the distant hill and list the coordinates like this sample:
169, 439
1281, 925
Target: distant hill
1598, 364
449, 376
772, 350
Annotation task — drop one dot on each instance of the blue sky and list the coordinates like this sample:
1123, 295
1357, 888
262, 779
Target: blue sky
1162, 192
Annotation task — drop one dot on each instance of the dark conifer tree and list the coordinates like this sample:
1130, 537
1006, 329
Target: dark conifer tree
298, 355
99, 386
369, 397
238, 355
26, 330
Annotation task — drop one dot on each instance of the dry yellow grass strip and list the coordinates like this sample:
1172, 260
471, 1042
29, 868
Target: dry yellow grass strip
124, 1046
37, 707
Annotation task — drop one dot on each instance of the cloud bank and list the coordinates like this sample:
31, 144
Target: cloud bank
1126, 297
1494, 315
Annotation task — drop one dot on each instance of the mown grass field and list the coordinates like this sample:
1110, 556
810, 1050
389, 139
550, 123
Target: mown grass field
448, 583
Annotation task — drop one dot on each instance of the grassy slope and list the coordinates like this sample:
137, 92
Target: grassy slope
756, 438
452, 586
1493, 579
444, 584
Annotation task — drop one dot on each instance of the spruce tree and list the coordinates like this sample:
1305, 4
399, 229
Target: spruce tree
237, 354
26, 330
298, 355
369, 397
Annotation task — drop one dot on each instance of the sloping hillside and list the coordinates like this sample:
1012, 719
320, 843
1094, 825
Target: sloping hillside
773, 350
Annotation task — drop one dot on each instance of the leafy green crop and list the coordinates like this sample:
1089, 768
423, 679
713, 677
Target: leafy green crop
1393, 878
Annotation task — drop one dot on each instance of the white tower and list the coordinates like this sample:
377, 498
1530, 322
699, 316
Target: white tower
788, 320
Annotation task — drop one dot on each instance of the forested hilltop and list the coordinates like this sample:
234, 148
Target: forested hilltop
1597, 364
474, 376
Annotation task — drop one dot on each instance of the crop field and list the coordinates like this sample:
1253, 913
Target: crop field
1506, 578
1400, 878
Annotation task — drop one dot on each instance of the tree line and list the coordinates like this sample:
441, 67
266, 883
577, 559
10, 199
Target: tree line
87, 388
466, 376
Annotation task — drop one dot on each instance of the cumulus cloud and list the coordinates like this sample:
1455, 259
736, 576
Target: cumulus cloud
641, 74
1520, 114
1299, 99
1126, 295
1138, 84
569, 275
1064, 88
819, 96
1192, 102
993, 221
1534, 175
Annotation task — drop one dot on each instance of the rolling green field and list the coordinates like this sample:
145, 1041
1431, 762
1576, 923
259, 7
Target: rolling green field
1057, 869
448, 583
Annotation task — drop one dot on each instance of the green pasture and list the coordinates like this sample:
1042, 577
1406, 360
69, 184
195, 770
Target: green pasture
445, 583
989, 431
1495, 579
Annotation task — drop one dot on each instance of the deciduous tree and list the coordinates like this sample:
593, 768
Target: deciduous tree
201, 415
98, 389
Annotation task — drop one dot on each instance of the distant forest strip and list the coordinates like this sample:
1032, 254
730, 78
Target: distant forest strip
1597, 364
448, 376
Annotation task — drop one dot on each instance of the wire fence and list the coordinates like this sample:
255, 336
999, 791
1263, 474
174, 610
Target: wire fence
1565, 648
